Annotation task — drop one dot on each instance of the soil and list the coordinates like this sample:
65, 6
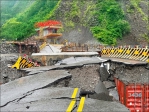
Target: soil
85, 77
131, 74
81, 35
139, 26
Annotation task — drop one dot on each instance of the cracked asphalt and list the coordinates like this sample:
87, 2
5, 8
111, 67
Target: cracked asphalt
17, 88
36, 93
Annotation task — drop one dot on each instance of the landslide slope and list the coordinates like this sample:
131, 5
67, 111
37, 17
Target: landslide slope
113, 22
83, 20
77, 17
137, 14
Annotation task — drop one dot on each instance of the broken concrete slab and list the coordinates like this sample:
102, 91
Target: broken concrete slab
103, 73
100, 88
34, 72
101, 96
81, 60
48, 99
109, 84
113, 92
9, 57
69, 64
125, 61
15, 89
70, 60
92, 105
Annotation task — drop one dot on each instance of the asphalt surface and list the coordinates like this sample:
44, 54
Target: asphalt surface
48, 99
36, 93
92, 105
69, 63
125, 61
58, 99
19, 88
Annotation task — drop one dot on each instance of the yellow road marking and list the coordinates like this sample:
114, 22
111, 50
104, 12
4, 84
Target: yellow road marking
81, 105
74, 93
72, 103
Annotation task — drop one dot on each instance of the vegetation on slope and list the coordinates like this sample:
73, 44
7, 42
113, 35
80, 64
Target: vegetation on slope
105, 18
135, 8
112, 24
11, 8
22, 25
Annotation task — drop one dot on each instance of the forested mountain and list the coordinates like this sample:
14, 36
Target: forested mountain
109, 21
11, 8
21, 24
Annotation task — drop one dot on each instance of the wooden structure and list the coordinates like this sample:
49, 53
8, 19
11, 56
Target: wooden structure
48, 31
27, 46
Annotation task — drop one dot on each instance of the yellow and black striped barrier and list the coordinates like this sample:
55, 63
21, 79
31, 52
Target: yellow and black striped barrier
134, 53
23, 63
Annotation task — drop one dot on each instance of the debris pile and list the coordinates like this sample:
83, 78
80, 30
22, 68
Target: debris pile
132, 74
7, 48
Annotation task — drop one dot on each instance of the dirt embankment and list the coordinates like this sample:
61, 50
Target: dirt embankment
86, 77
138, 74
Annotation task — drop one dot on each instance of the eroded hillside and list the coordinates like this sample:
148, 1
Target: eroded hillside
137, 14
114, 22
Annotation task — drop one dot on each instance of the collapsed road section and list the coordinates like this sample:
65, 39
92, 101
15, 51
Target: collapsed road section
35, 93
55, 86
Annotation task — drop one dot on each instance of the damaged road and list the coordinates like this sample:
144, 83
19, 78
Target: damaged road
47, 99
40, 92
52, 89
16, 89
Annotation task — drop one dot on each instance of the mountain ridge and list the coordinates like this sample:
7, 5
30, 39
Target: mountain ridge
88, 16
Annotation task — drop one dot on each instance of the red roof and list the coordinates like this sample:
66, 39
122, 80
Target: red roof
47, 23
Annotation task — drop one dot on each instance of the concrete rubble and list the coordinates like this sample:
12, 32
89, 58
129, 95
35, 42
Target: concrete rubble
103, 73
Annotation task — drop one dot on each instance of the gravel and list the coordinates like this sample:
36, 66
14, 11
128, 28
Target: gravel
86, 77
8, 48
132, 74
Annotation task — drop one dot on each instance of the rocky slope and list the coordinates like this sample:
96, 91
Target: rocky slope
76, 17
137, 14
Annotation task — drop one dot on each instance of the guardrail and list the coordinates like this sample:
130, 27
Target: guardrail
127, 52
